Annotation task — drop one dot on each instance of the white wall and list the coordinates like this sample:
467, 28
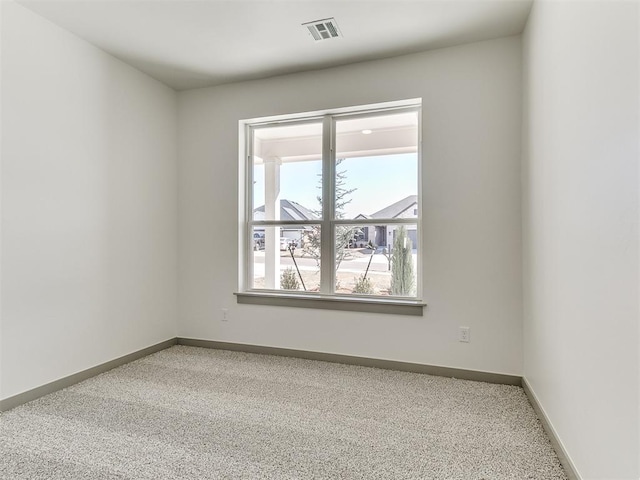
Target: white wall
581, 245
1, 55
89, 205
472, 263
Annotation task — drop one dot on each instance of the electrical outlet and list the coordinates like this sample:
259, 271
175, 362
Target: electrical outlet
225, 315
465, 334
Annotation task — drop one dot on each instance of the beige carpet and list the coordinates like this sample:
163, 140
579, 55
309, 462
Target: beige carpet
191, 413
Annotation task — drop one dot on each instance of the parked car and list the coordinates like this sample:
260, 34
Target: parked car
286, 242
258, 241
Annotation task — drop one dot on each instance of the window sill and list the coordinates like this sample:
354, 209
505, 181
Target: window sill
333, 302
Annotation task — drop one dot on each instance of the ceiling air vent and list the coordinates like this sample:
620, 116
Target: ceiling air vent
325, 29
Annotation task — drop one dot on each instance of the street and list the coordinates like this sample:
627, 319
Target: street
356, 264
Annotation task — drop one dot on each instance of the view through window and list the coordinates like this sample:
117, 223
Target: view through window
334, 204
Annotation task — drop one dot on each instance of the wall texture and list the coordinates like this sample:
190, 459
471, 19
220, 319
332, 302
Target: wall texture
89, 205
580, 229
472, 221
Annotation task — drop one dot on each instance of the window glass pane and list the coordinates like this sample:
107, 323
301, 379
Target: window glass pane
377, 259
377, 166
287, 172
286, 258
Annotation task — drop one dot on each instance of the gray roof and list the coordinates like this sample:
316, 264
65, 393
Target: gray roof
395, 209
289, 210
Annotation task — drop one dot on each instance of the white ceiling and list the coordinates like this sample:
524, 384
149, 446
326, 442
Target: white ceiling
190, 44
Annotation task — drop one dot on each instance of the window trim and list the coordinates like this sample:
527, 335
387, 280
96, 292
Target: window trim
353, 303
327, 223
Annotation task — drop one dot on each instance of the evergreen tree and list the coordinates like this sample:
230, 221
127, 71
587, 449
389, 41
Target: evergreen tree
402, 279
343, 233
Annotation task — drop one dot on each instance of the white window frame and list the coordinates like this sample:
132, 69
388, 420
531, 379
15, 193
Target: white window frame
326, 298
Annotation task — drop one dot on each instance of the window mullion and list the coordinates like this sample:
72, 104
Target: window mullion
327, 262
248, 228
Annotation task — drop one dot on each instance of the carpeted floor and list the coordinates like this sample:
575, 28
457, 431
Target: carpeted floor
191, 413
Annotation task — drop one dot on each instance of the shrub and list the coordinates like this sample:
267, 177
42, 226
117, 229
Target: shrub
289, 280
363, 286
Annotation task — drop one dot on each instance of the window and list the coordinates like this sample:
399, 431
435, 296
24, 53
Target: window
333, 205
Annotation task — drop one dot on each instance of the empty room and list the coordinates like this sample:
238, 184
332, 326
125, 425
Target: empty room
358, 239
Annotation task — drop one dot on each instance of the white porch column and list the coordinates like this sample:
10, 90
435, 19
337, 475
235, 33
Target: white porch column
272, 212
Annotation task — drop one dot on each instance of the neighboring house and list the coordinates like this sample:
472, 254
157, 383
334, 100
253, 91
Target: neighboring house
381, 235
289, 210
366, 233
384, 235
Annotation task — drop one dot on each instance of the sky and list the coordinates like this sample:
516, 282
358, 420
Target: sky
379, 182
